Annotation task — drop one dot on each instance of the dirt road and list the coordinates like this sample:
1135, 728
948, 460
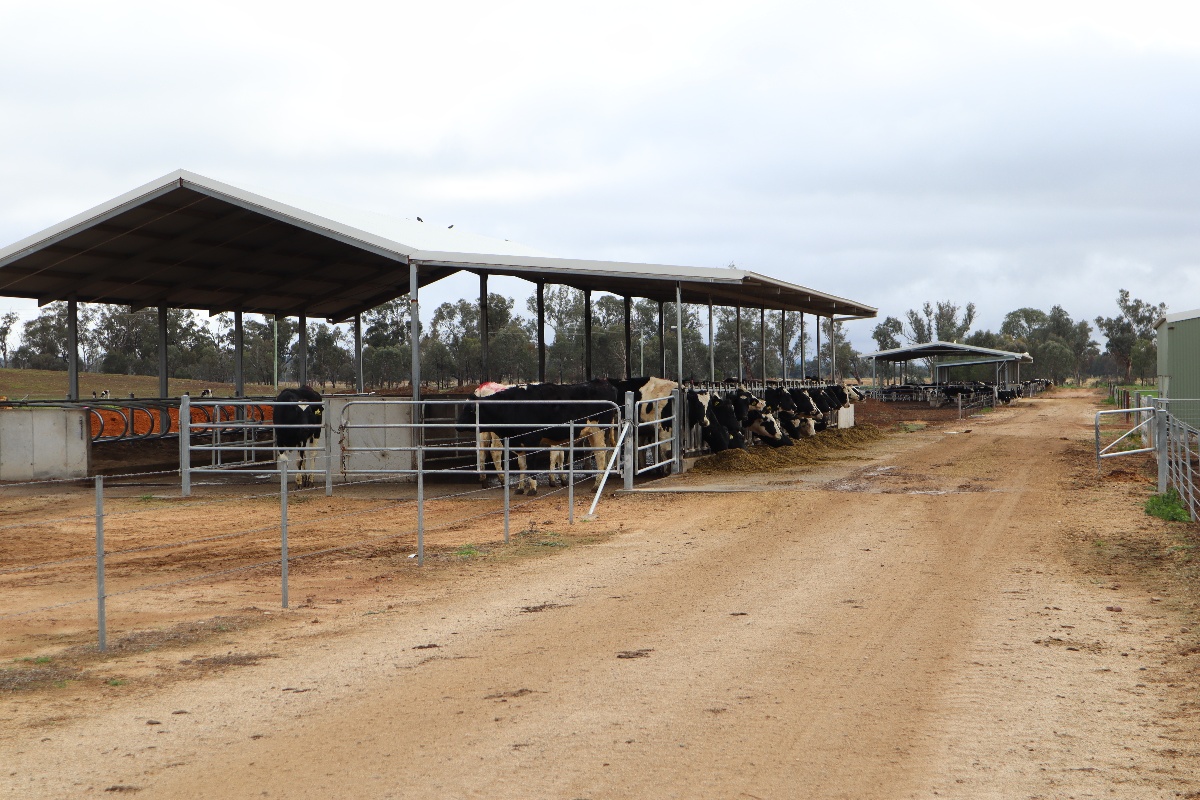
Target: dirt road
924, 619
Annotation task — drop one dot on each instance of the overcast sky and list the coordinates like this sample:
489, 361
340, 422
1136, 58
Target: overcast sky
1010, 154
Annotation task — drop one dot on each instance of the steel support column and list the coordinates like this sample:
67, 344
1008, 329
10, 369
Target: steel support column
541, 330
679, 332
302, 351
833, 377
783, 348
162, 351
239, 347
712, 346
360, 383
662, 341
762, 342
738, 324
414, 335
587, 334
483, 328
72, 350
803, 351
628, 338
820, 379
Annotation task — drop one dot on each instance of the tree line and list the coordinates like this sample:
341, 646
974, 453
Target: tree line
1062, 348
114, 339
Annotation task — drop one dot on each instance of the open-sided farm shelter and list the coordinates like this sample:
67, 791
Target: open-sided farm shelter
947, 356
186, 241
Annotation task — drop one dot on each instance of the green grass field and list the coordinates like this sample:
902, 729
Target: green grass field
38, 384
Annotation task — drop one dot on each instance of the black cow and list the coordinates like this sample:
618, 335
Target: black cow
792, 419
303, 421
756, 417
722, 413
701, 411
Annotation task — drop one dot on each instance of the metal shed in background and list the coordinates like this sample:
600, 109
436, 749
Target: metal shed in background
186, 241
1179, 364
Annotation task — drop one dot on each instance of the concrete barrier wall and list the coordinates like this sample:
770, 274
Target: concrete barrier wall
845, 417
44, 443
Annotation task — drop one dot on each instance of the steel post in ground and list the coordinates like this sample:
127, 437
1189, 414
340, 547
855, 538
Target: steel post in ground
101, 618
283, 527
1160, 443
677, 433
328, 454
1189, 496
1172, 453
506, 491
185, 441
571, 476
631, 440
959, 397
420, 505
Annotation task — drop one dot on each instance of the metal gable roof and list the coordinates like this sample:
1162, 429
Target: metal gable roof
188, 241
934, 349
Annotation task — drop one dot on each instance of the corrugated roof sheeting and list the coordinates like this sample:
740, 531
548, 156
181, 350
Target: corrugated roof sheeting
935, 349
187, 241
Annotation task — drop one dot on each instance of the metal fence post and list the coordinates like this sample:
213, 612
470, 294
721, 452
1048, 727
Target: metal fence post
571, 476
420, 505
283, 525
631, 440
328, 453
1161, 415
1189, 496
185, 441
506, 490
677, 433
101, 618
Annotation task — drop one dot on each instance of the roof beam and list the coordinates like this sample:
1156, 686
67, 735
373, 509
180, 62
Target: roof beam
186, 237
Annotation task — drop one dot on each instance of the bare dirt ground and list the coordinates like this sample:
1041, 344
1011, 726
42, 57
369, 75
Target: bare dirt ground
942, 613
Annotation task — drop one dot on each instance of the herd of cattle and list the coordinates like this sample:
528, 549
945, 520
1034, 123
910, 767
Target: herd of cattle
554, 417
970, 392
543, 416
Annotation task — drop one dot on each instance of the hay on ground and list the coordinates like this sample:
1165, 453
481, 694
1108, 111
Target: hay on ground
806, 451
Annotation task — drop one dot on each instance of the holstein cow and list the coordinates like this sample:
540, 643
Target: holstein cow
487, 443
700, 412
509, 414
302, 414
650, 414
756, 417
795, 423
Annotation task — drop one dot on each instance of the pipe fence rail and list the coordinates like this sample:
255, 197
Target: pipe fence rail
1169, 428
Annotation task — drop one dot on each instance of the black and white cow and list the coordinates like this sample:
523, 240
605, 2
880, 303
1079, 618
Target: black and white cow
795, 423
757, 418
510, 414
297, 421
653, 398
702, 410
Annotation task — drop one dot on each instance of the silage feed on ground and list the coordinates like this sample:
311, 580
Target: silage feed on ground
762, 458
